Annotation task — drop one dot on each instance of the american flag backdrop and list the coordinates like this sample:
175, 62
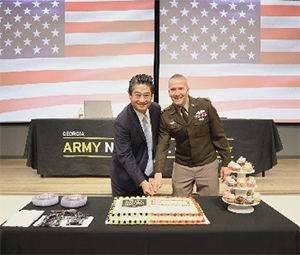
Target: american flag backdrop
54, 54
242, 54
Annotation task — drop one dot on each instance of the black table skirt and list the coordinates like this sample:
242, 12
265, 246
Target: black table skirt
83, 147
265, 231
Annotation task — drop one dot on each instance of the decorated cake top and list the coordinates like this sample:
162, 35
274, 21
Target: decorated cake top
157, 204
155, 210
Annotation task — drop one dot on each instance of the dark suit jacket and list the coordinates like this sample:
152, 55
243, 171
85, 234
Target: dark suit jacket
130, 154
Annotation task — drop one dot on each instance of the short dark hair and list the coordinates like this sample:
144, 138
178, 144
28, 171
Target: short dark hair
141, 79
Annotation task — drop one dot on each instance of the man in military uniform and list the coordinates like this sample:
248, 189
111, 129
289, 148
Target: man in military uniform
196, 127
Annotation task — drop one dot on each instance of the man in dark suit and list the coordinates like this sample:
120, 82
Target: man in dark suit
135, 132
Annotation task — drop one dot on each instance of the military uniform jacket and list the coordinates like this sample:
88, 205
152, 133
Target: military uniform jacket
197, 140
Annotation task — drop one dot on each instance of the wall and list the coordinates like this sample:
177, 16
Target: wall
13, 138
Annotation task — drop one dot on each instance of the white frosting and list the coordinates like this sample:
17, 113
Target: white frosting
156, 210
156, 205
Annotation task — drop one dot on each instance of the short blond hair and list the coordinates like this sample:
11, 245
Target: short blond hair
179, 77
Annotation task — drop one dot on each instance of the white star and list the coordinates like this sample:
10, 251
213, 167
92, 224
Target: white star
204, 29
223, 47
27, 42
184, 29
174, 4
184, 12
36, 33
46, 11
251, 22
1, 52
194, 38
7, 26
18, 18
214, 21
174, 20
27, 11
232, 6
174, 38
251, 55
242, 47
55, 4
27, 25
251, 38
7, 11
223, 13
46, 41
55, 17
251, 6
17, 4
232, 21
242, 30
242, 14
8, 42
36, 4
204, 47
46, 25
163, 11
174, 55
194, 21
163, 46
214, 5
0, 35
194, 55
214, 38
232, 38
55, 33
17, 50
232, 55
36, 17
18, 33
184, 46
204, 13
242, 1
194, 4
163, 29
54, 49
223, 30
36, 50
214, 55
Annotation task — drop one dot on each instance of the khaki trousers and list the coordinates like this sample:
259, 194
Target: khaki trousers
205, 177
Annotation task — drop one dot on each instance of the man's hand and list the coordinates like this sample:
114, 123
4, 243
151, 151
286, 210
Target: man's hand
157, 182
147, 188
224, 172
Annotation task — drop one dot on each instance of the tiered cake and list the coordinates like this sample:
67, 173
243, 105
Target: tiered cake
241, 195
155, 210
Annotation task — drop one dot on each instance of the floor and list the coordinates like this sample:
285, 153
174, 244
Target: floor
288, 205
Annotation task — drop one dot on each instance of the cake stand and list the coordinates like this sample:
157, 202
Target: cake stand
241, 208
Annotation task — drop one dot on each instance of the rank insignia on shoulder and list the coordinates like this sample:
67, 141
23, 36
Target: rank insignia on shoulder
167, 108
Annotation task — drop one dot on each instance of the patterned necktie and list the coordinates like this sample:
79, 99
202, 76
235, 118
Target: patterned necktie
149, 168
184, 115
